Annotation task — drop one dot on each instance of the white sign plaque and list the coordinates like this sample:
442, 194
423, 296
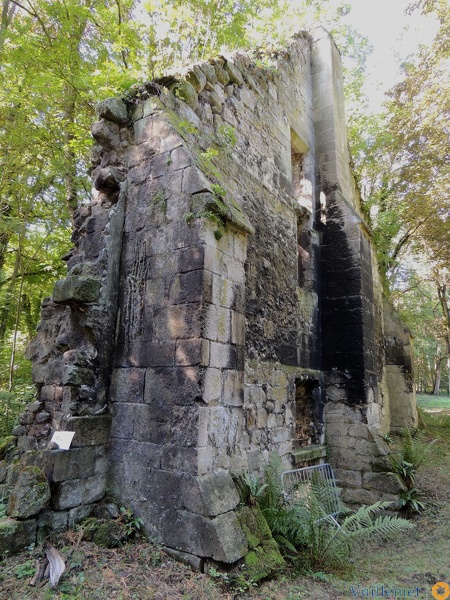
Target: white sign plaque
63, 439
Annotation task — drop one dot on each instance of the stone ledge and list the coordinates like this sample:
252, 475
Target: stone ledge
310, 453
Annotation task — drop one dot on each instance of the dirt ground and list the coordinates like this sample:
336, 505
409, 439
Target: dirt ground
407, 566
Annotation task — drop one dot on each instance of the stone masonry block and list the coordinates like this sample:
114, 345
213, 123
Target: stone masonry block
113, 109
235, 271
359, 496
160, 164
169, 141
127, 385
214, 260
337, 429
360, 430
187, 287
221, 74
166, 386
130, 452
224, 427
16, 535
101, 464
151, 427
220, 355
177, 322
179, 458
162, 485
194, 181
192, 561
180, 158
212, 385
206, 460
221, 538
30, 495
261, 418
106, 133
184, 429
53, 520
122, 420
280, 435
143, 129
196, 78
348, 478
237, 328
217, 325
233, 388
73, 463
90, 431
234, 73
192, 352
382, 482
73, 375
79, 514
70, 494
254, 395
190, 259
77, 289
211, 495
185, 91
218, 290
156, 354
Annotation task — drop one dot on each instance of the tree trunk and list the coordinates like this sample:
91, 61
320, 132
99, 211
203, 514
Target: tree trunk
437, 375
28, 315
8, 10
448, 376
443, 299
14, 341
7, 303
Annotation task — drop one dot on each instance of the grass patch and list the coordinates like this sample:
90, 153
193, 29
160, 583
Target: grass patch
435, 403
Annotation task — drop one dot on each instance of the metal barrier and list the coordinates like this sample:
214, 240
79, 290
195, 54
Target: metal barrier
297, 485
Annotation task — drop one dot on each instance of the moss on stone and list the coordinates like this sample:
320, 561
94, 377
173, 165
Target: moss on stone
184, 90
106, 533
111, 534
6, 445
30, 494
16, 535
264, 557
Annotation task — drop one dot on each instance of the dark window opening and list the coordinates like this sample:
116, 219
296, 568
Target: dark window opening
303, 257
297, 159
298, 153
304, 413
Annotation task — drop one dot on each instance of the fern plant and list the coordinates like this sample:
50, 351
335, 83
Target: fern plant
409, 500
413, 449
405, 460
249, 488
302, 525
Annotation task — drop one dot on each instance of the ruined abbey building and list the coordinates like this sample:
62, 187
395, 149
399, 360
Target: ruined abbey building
222, 303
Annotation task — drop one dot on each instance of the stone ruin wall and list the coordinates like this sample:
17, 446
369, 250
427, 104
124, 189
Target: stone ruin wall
222, 303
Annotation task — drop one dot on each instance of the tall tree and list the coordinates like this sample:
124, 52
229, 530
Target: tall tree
402, 158
57, 58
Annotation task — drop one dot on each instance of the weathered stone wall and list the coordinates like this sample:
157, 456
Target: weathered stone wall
72, 353
222, 303
399, 372
351, 304
191, 397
